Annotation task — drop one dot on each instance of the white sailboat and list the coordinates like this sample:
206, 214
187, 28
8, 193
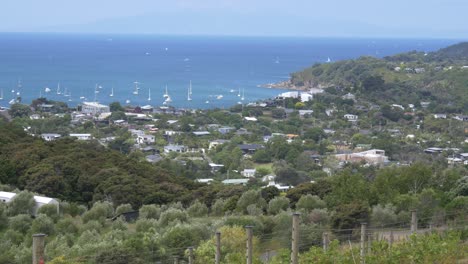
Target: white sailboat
112, 92
58, 89
1, 94
219, 97
135, 92
66, 93
127, 101
47, 90
243, 93
238, 94
166, 94
149, 94
328, 60
189, 92
12, 101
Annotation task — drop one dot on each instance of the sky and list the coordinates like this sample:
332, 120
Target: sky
312, 18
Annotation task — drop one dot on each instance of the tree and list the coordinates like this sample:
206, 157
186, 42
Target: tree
278, 204
123, 208
248, 198
309, 202
315, 133
115, 107
262, 156
19, 110
43, 224
22, 203
383, 216
197, 209
278, 113
150, 211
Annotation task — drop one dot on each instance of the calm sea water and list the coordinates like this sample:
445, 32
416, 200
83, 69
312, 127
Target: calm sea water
214, 65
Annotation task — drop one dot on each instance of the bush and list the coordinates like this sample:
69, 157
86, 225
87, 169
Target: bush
20, 223
277, 205
22, 203
3, 216
66, 225
254, 210
43, 224
197, 209
150, 211
50, 210
383, 216
100, 211
309, 202
172, 215
248, 198
123, 208
143, 225
217, 209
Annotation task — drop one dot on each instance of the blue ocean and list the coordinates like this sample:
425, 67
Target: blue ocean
78, 67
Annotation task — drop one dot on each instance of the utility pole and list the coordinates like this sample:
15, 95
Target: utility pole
38, 248
363, 243
325, 241
249, 244
190, 256
218, 248
295, 238
414, 221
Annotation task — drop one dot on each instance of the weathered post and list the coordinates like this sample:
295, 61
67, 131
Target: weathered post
325, 241
295, 239
369, 243
38, 255
363, 243
176, 259
391, 238
249, 244
414, 221
218, 248
190, 255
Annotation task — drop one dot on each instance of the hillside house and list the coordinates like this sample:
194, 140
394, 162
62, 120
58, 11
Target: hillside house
175, 148
50, 136
373, 156
248, 173
250, 148
94, 108
82, 136
351, 118
146, 139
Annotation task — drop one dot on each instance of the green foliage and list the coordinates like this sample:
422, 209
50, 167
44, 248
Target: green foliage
197, 209
150, 211
383, 216
248, 198
172, 215
277, 205
99, 212
3, 216
123, 208
50, 210
217, 209
309, 202
19, 110
21, 223
22, 203
43, 225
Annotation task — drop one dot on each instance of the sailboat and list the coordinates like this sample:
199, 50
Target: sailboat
47, 90
135, 92
58, 89
243, 92
328, 60
65, 93
166, 94
189, 92
112, 92
238, 94
1, 94
149, 94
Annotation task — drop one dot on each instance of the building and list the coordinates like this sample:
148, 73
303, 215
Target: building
250, 148
235, 181
207, 180
440, 116
82, 136
7, 197
351, 117
50, 136
349, 96
373, 156
146, 139
201, 133
306, 97
248, 173
253, 119
94, 108
174, 148
226, 130
215, 167
153, 158
302, 113
217, 142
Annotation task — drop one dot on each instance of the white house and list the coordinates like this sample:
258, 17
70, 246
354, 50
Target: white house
440, 116
349, 96
50, 136
253, 119
94, 108
306, 97
174, 148
248, 173
302, 113
145, 139
351, 117
7, 197
82, 136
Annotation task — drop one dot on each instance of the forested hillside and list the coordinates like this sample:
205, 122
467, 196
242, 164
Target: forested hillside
84, 172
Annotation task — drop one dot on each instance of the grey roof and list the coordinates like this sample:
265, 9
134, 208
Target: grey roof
251, 146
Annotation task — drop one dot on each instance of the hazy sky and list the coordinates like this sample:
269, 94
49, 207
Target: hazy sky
358, 18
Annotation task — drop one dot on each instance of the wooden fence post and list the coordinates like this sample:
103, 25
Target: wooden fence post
38, 247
